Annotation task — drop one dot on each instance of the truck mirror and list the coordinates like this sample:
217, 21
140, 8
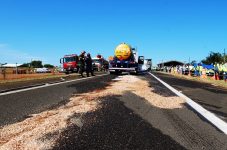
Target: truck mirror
141, 60
61, 61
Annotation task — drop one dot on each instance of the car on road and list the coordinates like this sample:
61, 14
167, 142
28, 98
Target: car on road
42, 70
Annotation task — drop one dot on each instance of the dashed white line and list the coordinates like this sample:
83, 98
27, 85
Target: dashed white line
217, 122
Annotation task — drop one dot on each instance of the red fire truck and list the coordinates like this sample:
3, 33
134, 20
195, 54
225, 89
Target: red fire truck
70, 63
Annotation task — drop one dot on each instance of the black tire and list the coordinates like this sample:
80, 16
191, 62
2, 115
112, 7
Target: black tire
117, 72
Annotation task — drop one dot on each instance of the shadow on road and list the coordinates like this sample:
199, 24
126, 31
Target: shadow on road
91, 85
115, 126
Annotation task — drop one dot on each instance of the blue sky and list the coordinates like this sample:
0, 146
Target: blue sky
160, 29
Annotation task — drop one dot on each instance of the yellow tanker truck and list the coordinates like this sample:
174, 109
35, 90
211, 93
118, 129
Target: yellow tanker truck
126, 59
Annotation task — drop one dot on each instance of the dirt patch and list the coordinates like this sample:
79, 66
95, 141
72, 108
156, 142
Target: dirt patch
31, 133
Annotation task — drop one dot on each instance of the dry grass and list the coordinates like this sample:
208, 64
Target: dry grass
25, 77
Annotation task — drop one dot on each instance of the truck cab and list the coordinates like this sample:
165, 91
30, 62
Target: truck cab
70, 63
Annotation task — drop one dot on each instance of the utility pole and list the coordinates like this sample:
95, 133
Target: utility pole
3, 71
16, 69
224, 55
0, 68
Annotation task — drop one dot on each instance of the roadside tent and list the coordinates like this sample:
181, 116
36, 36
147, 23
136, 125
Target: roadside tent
11, 65
208, 66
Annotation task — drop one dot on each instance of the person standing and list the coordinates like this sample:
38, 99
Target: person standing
82, 63
89, 67
225, 72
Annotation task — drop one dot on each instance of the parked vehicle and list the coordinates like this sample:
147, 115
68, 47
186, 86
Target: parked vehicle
126, 59
148, 64
70, 63
42, 70
99, 63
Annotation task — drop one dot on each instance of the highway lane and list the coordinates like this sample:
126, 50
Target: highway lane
14, 85
129, 122
212, 98
18, 106
124, 121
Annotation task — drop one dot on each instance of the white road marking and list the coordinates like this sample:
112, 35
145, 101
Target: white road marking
46, 85
217, 122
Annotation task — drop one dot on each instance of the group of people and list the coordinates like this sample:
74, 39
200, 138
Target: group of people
85, 64
219, 70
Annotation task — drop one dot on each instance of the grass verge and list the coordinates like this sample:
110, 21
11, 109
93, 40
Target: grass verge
29, 78
209, 80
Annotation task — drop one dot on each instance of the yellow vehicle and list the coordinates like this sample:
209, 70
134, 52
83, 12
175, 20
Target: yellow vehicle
126, 59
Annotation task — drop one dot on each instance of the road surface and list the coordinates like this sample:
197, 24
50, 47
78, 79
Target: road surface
19, 106
127, 120
212, 98
23, 83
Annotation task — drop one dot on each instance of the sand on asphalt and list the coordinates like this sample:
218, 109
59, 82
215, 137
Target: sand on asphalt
33, 132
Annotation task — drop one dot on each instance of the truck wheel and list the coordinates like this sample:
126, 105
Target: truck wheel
67, 72
117, 72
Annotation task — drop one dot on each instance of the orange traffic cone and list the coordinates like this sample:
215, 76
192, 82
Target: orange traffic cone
216, 76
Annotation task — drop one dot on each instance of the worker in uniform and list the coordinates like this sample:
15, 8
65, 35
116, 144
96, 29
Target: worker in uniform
197, 70
200, 70
225, 72
82, 63
89, 67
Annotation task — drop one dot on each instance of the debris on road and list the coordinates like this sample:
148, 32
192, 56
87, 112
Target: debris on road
33, 132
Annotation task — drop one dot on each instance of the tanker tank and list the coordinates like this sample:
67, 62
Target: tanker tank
123, 52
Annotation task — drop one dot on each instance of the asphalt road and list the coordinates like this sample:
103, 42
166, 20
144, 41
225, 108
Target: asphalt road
19, 106
212, 98
135, 124
15, 85
129, 124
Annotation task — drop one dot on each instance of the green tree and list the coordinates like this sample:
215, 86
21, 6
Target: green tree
193, 62
213, 58
225, 60
37, 64
25, 65
48, 66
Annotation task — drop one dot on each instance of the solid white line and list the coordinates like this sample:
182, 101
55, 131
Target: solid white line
217, 122
46, 85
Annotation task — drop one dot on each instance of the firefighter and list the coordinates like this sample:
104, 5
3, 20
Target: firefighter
89, 67
82, 63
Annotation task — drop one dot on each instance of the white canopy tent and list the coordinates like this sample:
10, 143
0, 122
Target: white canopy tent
11, 65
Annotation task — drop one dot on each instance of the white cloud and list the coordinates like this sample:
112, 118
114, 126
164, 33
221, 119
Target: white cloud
8, 55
